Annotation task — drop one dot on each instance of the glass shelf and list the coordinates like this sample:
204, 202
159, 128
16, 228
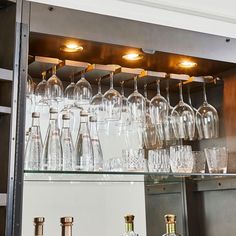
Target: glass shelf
108, 176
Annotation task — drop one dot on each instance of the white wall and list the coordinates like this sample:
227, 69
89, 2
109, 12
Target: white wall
207, 16
97, 208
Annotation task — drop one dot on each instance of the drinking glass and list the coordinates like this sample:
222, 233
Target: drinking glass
170, 123
136, 104
217, 159
29, 86
98, 104
181, 159
54, 88
40, 91
207, 118
83, 93
198, 134
199, 160
159, 107
112, 102
147, 101
159, 160
124, 121
69, 102
133, 160
185, 119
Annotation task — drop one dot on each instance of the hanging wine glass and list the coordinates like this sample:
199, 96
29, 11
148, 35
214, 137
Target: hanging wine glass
69, 99
83, 93
69, 102
98, 104
147, 101
125, 117
137, 105
186, 118
159, 109
198, 132
40, 91
170, 124
29, 86
207, 118
112, 103
54, 88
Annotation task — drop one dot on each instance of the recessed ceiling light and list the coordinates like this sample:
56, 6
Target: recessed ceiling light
71, 47
132, 56
187, 64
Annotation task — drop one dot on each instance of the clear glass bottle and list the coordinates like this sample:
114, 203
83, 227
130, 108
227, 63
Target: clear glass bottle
97, 150
38, 226
129, 226
84, 158
66, 226
52, 151
170, 220
34, 147
67, 144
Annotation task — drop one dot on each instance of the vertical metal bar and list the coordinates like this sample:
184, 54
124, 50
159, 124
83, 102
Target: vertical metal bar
16, 155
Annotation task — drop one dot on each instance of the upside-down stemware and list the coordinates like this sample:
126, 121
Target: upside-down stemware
198, 132
148, 102
186, 118
207, 118
98, 104
112, 103
159, 109
54, 88
137, 105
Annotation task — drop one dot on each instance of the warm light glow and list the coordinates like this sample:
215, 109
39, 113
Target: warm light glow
187, 64
132, 56
71, 47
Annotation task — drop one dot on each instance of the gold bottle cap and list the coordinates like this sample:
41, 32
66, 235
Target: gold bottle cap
35, 115
67, 219
53, 110
39, 220
129, 218
83, 113
93, 119
65, 117
170, 218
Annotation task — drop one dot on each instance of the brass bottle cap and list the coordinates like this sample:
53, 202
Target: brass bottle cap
129, 218
65, 117
53, 110
83, 113
170, 218
67, 219
35, 115
93, 119
39, 220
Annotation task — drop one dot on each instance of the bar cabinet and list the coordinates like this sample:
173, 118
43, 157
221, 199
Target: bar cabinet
31, 41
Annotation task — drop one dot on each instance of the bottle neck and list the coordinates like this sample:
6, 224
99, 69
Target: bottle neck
66, 124
171, 228
129, 227
35, 122
93, 129
38, 230
66, 229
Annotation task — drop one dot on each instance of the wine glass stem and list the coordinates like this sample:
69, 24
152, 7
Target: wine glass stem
167, 92
158, 87
111, 80
135, 84
189, 96
180, 92
204, 92
145, 90
122, 88
99, 86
